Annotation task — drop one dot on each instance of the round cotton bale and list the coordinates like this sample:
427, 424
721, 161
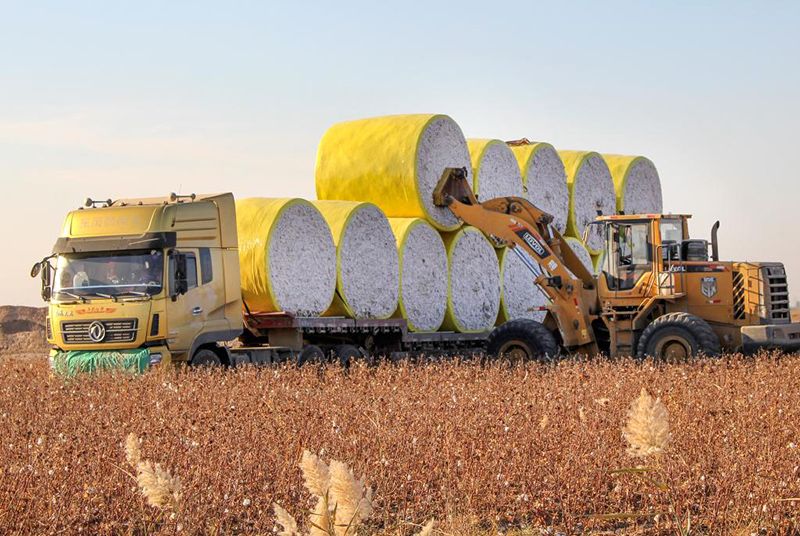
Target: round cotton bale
394, 162
495, 170
520, 296
423, 273
473, 297
636, 183
591, 191
367, 273
544, 180
287, 257
581, 252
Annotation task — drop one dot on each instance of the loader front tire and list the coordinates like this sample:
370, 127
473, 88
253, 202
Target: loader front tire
677, 337
522, 340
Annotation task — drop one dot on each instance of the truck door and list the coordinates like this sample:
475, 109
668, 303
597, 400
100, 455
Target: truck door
628, 257
185, 312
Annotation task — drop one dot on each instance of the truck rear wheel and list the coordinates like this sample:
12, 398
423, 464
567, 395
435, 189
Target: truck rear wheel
347, 354
678, 336
522, 340
310, 354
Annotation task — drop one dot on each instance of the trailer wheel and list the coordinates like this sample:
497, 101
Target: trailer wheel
206, 358
310, 354
522, 340
347, 354
677, 337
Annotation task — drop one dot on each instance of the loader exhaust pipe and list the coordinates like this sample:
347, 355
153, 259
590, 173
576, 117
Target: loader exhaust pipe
714, 242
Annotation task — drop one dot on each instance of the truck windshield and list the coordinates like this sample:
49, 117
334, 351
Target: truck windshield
104, 274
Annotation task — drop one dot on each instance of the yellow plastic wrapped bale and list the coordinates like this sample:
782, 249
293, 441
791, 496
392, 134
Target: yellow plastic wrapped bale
367, 270
473, 296
394, 162
520, 296
636, 183
423, 274
495, 170
286, 255
544, 180
591, 193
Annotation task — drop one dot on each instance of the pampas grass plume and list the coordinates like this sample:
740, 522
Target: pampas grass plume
647, 428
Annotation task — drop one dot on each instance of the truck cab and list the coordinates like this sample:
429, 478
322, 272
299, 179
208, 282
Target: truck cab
152, 278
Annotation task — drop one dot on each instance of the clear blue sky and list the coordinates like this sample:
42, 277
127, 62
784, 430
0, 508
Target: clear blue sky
107, 100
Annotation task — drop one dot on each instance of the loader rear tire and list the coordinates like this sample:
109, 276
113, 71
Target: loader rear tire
522, 340
677, 337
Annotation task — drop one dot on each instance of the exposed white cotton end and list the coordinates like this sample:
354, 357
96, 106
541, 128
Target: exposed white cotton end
442, 145
545, 180
642, 193
474, 286
423, 273
581, 252
368, 278
591, 194
519, 292
302, 261
495, 170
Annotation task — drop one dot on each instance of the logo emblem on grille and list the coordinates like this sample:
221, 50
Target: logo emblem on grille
97, 331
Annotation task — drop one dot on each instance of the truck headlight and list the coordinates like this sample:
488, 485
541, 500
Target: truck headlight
155, 359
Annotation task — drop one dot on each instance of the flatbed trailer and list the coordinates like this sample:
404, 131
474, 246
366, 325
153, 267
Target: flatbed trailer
280, 337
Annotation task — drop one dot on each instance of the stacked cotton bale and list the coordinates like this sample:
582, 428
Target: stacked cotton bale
591, 193
423, 273
544, 179
368, 273
495, 170
393, 162
581, 252
636, 183
521, 297
287, 256
473, 298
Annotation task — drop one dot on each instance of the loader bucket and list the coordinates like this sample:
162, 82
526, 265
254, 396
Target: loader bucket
453, 185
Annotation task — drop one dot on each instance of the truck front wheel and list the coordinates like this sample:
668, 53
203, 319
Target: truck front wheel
522, 340
205, 358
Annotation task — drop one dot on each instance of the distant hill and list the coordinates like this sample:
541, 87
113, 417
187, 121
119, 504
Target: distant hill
22, 328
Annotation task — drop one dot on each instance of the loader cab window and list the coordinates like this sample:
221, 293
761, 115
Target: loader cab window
628, 255
671, 238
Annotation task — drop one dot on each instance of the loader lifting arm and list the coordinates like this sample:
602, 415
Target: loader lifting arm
516, 222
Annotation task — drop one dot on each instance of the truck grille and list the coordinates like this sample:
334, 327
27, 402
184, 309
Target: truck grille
123, 330
776, 293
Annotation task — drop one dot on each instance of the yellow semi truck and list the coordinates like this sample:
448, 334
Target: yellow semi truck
156, 280
136, 282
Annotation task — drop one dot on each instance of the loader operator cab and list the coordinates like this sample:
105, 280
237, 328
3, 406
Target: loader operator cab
638, 249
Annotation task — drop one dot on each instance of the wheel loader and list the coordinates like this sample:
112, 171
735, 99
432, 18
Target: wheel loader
657, 293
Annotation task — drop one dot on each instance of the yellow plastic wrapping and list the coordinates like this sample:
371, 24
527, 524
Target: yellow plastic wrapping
502, 314
620, 167
338, 214
375, 160
255, 219
401, 228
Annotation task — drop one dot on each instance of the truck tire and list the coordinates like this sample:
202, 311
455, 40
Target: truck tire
678, 336
347, 354
522, 340
206, 358
310, 354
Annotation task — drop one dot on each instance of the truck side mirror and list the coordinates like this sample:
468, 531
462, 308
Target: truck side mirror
36, 269
47, 279
181, 283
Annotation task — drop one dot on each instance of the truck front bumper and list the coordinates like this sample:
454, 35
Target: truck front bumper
136, 360
784, 337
